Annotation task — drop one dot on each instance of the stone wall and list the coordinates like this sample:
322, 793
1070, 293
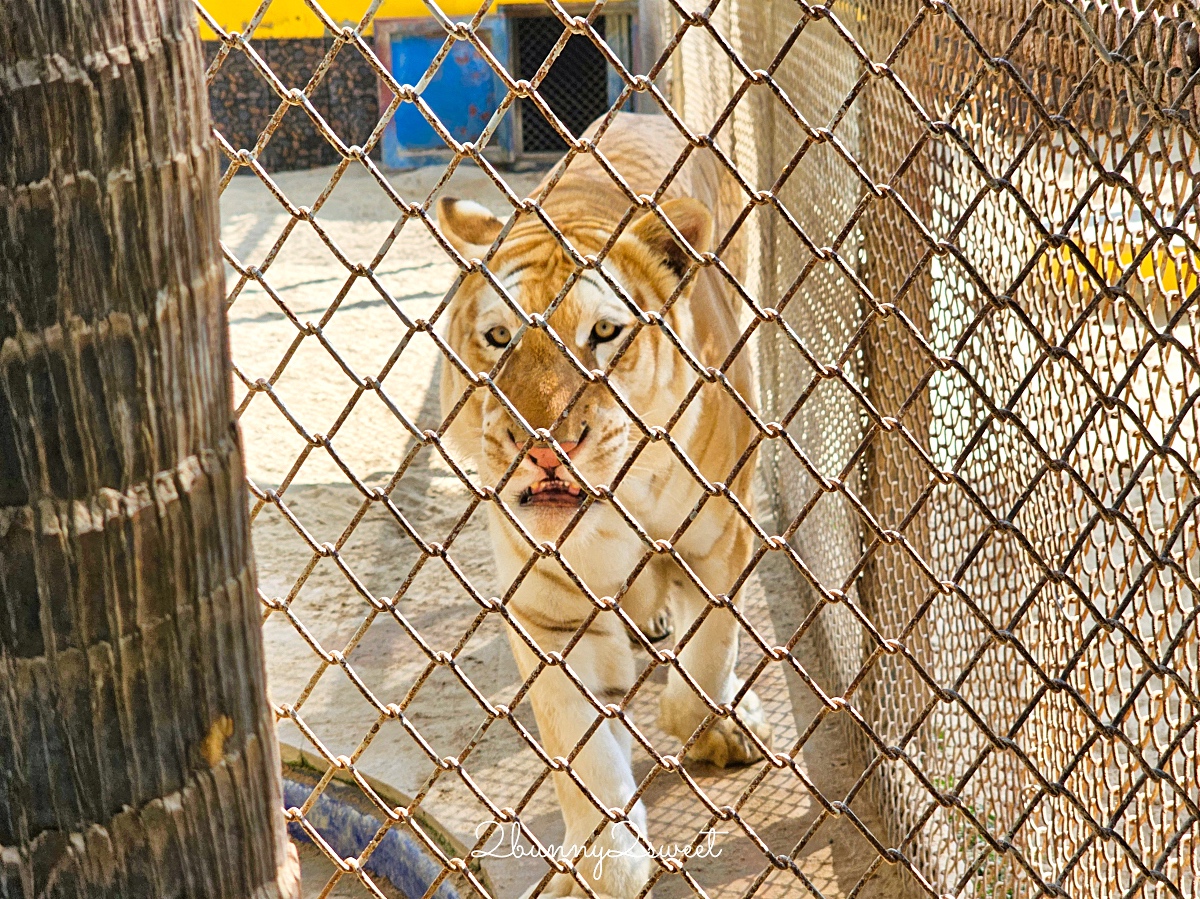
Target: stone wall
243, 101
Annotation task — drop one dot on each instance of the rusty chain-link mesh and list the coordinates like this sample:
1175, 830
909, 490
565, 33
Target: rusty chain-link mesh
970, 232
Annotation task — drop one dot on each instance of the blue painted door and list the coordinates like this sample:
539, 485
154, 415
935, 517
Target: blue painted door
462, 94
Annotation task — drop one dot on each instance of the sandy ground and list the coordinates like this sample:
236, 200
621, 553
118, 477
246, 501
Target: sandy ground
390, 656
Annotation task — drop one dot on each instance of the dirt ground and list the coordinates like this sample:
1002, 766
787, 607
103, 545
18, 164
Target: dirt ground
316, 870
389, 655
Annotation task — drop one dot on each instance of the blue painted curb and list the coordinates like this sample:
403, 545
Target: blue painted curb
399, 859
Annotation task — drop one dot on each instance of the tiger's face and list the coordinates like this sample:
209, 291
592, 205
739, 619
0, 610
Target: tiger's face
545, 381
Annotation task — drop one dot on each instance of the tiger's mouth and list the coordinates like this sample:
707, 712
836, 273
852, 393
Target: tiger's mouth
551, 492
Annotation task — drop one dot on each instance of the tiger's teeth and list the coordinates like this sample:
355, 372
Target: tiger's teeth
554, 485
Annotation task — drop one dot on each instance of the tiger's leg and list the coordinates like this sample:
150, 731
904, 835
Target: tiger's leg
709, 658
616, 864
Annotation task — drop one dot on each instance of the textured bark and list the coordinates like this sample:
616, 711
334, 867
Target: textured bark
137, 756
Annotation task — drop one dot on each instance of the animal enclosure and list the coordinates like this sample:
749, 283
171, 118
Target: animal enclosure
968, 242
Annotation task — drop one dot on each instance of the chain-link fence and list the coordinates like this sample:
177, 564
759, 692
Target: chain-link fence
950, 305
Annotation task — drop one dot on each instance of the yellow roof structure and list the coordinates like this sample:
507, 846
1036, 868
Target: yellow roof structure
294, 19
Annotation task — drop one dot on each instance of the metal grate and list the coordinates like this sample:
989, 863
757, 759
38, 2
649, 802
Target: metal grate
961, 242
575, 87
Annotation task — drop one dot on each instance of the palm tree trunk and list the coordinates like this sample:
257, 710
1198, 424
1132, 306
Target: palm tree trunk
137, 755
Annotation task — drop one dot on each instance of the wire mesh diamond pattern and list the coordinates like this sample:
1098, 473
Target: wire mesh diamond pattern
958, 247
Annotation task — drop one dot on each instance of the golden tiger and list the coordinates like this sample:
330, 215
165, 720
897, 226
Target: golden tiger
597, 437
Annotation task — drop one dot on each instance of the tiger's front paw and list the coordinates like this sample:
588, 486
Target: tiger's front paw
724, 743
563, 886
657, 628
549, 893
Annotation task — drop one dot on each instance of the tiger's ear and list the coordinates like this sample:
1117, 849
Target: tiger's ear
693, 221
469, 227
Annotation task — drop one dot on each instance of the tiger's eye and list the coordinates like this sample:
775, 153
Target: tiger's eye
498, 336
604, 331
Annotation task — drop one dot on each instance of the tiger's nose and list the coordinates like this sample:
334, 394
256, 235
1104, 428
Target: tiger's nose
544, 457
